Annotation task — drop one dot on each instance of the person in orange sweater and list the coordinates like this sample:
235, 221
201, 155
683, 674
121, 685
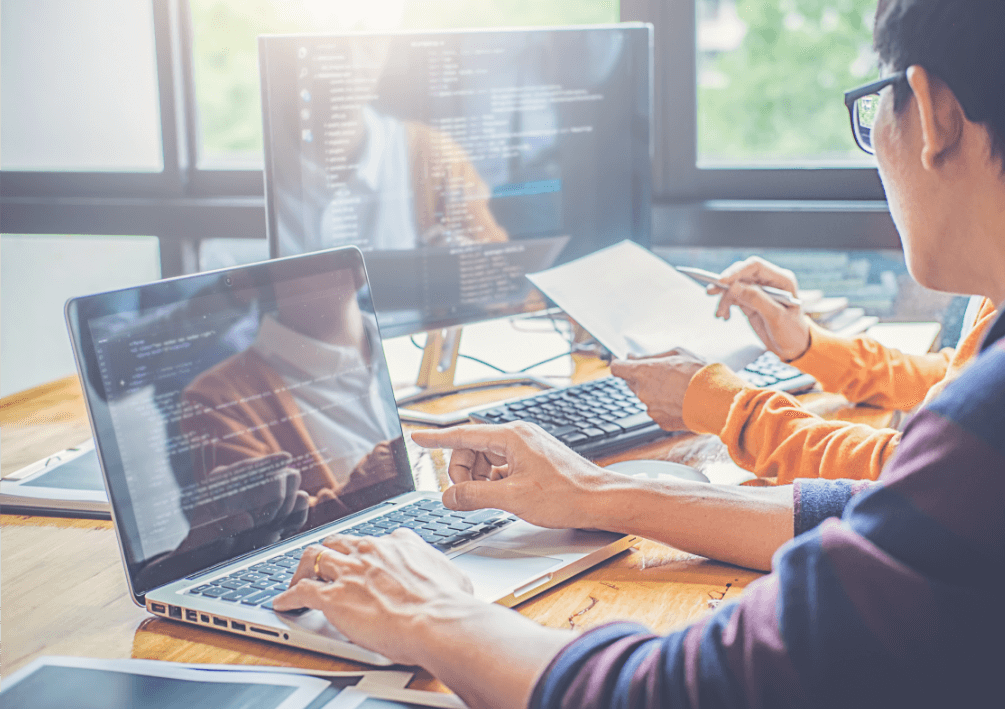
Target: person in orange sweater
770, 433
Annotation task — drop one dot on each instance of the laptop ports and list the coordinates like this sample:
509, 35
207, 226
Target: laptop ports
237, 626
158, 608
263, 631
222, 622
174, 612
192, 616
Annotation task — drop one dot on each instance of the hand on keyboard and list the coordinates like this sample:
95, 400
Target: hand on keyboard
520, 469
375, 590
660, 383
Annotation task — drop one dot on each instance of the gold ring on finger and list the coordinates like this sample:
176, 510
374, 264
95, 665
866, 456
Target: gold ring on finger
317, 566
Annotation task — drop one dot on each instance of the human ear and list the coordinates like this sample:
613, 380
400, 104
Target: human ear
940, 115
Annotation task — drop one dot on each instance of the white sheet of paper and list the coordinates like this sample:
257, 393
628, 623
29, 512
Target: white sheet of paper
632, 301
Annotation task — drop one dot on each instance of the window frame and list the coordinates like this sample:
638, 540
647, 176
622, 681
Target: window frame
812, 207
111, 184
677, 177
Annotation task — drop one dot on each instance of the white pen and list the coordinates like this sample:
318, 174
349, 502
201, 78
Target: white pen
708, 278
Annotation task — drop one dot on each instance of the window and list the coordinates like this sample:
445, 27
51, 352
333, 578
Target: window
782, 65
79, 87
225, 52
145, 116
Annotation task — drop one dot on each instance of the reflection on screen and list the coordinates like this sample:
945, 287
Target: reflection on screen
467, 159
246, 416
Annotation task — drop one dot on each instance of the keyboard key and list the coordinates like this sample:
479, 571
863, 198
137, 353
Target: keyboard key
296, 611
214, 592
480, 516
238, 594
634, 421
259, 597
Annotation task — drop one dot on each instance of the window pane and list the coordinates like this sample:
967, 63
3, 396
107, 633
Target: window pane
771, 77
226, 52
79, 85
37, 275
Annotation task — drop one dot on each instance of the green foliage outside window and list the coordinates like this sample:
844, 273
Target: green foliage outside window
778, 96
775, 98
226, 52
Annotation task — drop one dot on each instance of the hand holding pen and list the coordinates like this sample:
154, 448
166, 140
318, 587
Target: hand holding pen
765, 294
707, 278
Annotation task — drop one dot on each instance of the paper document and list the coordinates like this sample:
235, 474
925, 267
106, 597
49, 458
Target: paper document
632, 301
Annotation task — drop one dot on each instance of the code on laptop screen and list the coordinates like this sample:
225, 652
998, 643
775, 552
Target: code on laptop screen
234, 416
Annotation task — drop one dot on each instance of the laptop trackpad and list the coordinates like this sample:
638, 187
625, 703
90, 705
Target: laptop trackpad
494, 571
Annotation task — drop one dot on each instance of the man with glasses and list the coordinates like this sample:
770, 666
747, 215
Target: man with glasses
886, 607
772, 435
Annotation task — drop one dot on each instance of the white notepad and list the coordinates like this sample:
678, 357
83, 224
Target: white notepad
632, 301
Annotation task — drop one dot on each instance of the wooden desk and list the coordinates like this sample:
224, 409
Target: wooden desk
64, 589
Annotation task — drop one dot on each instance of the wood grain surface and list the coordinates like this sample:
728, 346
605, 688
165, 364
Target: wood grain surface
64, 590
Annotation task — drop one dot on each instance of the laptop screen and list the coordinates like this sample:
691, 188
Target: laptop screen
238, 408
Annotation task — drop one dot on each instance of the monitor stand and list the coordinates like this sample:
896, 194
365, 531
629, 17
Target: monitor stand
436, 379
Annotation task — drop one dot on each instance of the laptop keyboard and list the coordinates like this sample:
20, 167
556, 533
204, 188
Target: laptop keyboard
258, 584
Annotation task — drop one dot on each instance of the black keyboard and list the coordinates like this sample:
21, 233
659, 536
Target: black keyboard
594, 418
259, 583
770, 372
604, 417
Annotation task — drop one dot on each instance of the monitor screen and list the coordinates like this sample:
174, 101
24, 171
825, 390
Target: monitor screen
458, 161
236, 408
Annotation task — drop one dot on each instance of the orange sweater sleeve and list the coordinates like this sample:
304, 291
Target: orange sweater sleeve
770, 434
865, 372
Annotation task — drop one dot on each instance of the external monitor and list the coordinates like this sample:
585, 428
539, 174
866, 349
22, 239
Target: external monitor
458, 161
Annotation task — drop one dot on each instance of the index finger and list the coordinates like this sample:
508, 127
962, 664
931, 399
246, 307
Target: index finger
759, 271
483, 438
304, 593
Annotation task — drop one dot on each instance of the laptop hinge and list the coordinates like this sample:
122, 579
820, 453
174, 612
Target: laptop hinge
236, 559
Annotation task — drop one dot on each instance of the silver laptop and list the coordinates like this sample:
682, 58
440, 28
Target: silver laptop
243, 414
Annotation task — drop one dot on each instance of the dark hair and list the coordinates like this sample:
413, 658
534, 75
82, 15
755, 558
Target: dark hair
962, 42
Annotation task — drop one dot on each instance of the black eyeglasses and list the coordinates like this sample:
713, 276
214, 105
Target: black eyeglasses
863, 104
